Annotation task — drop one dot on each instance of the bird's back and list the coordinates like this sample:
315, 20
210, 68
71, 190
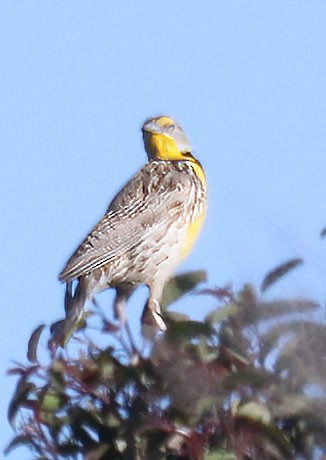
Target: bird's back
144, 233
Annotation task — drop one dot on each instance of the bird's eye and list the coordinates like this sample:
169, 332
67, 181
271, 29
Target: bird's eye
171, 127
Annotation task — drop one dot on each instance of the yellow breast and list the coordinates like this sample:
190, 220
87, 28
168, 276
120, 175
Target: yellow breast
192, 233
197, 222
164, 147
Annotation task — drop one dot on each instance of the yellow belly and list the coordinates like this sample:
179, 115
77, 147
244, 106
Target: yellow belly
192, 234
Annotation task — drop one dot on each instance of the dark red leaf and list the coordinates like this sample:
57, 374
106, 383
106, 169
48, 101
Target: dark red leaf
279, 272
224, 293
33, 343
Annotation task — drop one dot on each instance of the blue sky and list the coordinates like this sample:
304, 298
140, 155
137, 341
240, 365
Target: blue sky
246, 80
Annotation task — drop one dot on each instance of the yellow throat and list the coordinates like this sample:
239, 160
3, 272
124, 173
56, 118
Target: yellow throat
165, 140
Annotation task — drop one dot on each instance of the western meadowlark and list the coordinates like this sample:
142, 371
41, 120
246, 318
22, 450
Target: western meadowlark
148, 229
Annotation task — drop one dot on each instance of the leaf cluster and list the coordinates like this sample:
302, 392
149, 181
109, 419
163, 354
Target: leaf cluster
247, 382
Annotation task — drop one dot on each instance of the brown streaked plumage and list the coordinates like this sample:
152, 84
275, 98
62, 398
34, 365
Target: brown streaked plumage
148, 228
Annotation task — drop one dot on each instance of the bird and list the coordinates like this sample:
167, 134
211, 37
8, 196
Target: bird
148, 229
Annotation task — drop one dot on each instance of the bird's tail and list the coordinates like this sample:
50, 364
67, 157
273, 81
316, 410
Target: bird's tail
75, 299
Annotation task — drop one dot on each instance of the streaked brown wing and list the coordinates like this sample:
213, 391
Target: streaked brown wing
149, 199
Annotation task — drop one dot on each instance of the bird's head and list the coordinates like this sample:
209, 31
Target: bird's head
165, 140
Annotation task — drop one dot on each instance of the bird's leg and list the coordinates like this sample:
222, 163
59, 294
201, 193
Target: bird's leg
152, 314
119, 309
123, 293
